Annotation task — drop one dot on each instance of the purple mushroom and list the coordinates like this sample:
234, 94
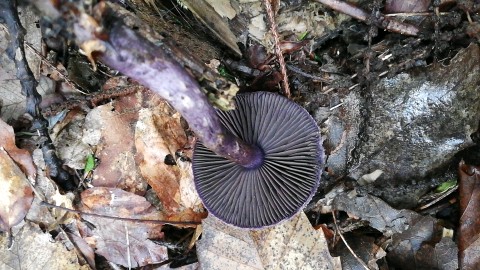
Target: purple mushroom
287, 176
254, 166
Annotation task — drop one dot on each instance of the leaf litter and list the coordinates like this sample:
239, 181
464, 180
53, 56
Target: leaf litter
141, 144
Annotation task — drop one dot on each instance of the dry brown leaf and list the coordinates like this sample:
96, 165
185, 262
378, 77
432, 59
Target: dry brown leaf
16, 195
20, 156
116, 239
34, 249
158, 134
293, 244
133, 136
469, 231
109, 127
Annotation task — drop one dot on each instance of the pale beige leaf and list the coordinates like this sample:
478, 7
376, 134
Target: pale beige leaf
33, 249
225, 247
293, 244
223, 8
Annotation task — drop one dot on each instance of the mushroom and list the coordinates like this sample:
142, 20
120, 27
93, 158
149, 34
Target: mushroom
287, 176
256, 165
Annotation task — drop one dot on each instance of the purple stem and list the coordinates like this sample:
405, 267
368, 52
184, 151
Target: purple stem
136, 57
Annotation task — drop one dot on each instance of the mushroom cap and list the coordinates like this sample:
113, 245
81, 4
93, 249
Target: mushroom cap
286, 180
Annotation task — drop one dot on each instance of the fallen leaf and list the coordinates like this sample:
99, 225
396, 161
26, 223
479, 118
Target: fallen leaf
439, 255
293, 244
409, 232
20, 156
67, 138
133, 137
110, 129
123, 242
80, 243
34, 249
158, 136
49, 191
16, 195
469, 231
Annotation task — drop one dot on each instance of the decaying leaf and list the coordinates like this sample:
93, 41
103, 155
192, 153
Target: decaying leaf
469, 231
16, 195
34, 249
20, 156
410, 232
439, 255
48, 191
83, 248
109, 127
158, 136
116, 240
293, 244
67, 137
136, 139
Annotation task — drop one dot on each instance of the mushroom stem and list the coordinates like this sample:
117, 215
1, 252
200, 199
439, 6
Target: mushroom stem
136, 57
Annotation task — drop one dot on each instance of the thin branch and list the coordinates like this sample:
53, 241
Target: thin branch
154, 221
16, 52
278, 49
346, 244
129, 260
307, 75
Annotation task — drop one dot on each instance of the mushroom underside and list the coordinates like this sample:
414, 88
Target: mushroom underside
286, 180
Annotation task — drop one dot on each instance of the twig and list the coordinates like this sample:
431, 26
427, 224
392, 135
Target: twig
16, 52
336, 106
129, 260
307, 75
154, 221
439, 198
382, 21
413, 14
278, 50
346, 244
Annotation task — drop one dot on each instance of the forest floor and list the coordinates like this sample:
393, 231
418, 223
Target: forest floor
96, 169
